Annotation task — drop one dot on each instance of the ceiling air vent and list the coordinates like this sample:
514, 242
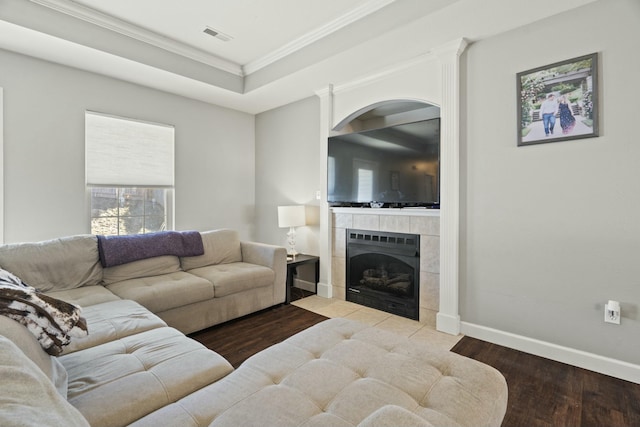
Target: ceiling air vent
217, 34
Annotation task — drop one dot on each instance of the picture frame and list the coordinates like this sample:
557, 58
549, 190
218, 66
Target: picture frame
559, 101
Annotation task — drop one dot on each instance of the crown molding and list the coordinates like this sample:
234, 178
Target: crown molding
311, 37
455, 47
122, 27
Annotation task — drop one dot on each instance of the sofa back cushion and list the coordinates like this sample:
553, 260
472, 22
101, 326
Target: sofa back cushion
155, 266
64, 263
220, 247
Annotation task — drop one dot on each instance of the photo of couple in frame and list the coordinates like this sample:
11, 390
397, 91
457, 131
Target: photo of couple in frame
558, 102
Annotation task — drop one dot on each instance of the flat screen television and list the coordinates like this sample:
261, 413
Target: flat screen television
396, 166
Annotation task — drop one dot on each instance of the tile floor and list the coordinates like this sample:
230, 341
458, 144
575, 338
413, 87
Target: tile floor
330, 307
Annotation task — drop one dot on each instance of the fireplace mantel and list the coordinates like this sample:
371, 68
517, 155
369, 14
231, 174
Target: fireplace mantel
389, 211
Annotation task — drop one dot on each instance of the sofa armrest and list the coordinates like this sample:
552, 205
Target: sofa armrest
31, 396
274, 257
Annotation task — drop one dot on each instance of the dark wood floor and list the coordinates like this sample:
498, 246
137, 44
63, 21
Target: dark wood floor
541, 392
239, 339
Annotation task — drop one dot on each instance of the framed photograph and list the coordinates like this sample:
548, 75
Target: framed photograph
558, 102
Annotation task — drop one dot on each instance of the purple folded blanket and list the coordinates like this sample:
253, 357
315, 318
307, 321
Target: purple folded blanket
116, 250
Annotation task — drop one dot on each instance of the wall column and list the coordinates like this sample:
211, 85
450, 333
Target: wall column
448, 318
1, 168
326, 237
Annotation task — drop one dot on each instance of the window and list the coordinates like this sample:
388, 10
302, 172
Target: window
129, 174
365, 185
365, 175
121, 210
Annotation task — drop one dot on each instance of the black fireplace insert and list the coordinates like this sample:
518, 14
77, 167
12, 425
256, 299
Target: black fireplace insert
383, 271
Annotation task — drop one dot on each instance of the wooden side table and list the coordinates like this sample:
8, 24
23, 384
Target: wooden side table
293, 263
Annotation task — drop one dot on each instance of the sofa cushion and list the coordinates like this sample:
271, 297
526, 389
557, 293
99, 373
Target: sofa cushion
27, 397
86, 295
145, 267
393, 416
65, 263
235, 277
220, 247
114, 320
345, 373
160, 293
118, 382
29, 345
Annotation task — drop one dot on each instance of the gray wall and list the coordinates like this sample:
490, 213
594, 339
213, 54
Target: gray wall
287, 171
551, 232
44, 194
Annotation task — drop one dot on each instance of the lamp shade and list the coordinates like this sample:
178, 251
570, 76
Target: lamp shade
291, 216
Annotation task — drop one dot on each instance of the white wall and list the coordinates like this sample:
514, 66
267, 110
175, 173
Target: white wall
287, 171
550, 232
44, 194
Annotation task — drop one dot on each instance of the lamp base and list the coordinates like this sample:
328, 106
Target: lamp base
292, 243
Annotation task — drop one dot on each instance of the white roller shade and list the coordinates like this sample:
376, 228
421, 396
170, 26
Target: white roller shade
124, 152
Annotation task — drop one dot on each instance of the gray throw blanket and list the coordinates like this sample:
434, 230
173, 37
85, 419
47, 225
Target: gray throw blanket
116, 250
53, 322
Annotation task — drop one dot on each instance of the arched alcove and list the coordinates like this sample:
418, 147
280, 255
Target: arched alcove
387, 113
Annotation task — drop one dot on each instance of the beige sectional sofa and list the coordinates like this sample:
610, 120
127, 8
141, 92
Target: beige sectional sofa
136, 367
231, 279
129, 365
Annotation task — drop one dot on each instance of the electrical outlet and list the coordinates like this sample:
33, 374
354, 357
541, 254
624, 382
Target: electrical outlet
318, 195
612, 312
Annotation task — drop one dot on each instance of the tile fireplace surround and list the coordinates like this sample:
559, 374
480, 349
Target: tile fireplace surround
425, 222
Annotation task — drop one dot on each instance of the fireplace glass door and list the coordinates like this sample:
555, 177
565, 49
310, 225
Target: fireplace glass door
383, 271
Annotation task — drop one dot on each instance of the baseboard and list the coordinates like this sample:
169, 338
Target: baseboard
582, 359
303, 284
447, 323
325, 290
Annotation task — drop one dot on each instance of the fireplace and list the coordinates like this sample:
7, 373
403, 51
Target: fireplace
383, 271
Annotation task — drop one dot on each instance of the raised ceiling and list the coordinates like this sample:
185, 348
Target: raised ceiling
279, 50
256, 28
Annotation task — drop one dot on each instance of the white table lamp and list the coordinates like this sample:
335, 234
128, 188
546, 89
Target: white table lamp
291, 216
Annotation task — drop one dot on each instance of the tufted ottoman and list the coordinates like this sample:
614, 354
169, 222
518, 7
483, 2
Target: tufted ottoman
345, 373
